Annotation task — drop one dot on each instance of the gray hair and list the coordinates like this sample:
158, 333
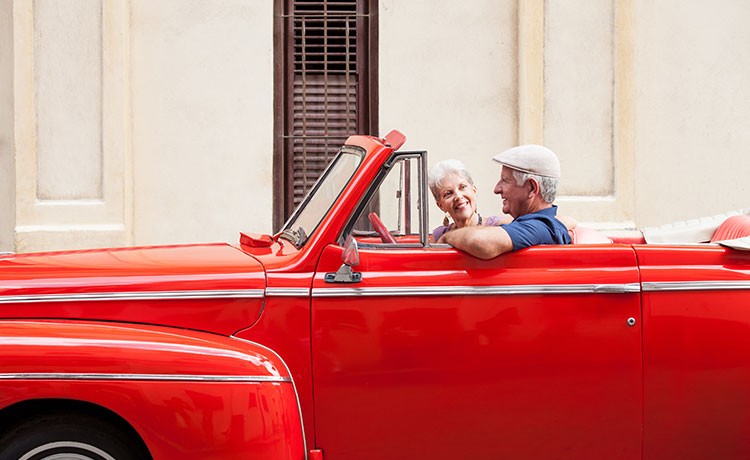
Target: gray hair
444, 168
547, 185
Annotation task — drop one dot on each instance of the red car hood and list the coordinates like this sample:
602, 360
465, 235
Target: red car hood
210, 287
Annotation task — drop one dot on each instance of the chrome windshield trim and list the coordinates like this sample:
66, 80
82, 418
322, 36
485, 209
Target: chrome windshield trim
152, 377
694, 285
288, 292
481, 290
145, 295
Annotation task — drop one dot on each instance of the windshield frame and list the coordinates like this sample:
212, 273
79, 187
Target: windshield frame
289, 230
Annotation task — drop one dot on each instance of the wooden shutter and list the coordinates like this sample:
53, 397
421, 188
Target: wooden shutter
327, 89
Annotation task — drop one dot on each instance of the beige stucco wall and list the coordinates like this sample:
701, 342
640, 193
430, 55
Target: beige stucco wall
638, 98
135, 122
139, 122
202, 92
470, 80
692, 107
448, 81
7, 176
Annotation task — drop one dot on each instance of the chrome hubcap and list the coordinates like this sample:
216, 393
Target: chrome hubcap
66, 450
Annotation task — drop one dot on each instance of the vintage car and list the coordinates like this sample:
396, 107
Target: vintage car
351, 335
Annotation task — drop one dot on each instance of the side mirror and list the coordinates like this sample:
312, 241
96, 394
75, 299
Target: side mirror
350, 257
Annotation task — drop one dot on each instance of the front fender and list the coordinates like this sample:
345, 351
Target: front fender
188, 394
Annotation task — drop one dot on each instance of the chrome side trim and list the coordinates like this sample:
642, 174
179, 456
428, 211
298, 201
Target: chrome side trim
151, 295
151, 377
288, 292
481, 290
695, 286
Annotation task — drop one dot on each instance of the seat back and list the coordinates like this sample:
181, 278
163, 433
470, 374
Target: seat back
732, 228
584, 235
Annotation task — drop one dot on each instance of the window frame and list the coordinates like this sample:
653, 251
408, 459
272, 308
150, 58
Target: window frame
366, 96
421, 195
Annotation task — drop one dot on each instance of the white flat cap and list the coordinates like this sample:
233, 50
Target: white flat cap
531, 158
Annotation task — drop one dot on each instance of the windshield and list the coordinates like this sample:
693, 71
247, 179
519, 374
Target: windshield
321, 197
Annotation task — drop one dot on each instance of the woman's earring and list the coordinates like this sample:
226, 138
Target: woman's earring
445, 220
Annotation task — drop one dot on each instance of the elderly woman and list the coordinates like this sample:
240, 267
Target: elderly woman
456, 195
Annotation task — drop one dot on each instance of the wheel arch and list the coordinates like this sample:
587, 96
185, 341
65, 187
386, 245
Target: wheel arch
16, 414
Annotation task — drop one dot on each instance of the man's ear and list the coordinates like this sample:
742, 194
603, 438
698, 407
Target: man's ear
534, 187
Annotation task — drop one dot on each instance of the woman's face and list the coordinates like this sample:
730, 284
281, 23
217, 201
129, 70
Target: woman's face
457, 197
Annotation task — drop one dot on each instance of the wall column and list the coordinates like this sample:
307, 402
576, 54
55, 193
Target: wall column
531, 72
7, 144
575, 87
71, 119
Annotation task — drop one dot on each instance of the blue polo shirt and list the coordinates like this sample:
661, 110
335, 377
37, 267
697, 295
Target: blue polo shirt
539, 227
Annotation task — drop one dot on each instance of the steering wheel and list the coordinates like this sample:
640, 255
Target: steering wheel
379, 227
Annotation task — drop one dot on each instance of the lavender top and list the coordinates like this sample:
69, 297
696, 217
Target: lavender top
491, 221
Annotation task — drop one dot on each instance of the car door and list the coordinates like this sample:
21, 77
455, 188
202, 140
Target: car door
430, 353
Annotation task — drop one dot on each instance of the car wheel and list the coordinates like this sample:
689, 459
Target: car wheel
68, 437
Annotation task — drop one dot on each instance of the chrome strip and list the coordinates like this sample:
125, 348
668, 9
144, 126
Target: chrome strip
288, 292
481, 290
156, 377
145, 295
694, 285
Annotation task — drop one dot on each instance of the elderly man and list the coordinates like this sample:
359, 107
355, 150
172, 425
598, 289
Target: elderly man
527, 185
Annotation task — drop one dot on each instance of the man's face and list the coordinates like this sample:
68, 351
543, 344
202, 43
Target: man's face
515, 197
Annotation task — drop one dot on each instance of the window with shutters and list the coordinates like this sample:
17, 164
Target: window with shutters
325, 89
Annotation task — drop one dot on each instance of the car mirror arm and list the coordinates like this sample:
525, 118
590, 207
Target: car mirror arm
350, 257
344, 274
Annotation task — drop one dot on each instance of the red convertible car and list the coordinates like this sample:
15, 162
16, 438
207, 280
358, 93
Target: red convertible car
350, 335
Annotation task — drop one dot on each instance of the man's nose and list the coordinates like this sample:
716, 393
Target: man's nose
498, 188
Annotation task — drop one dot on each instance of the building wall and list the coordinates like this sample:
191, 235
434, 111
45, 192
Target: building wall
7, 167
692, 109
137, 122
140, 122
202, 95
448, 80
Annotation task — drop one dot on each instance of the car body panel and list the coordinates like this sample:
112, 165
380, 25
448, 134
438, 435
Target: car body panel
188, 420
167, 383
211, 287
285, 328
696, 311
